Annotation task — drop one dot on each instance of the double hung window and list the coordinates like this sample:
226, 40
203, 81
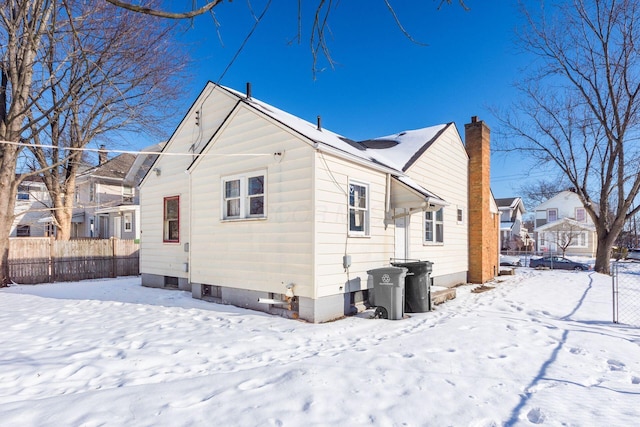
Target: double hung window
434, 226
172, 219
358, 209
244, 196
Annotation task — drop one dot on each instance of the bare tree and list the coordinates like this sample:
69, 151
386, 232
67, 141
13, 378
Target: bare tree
23, 24
66, 77
565, 235
580, 110
319, 21
110, 70
540, 191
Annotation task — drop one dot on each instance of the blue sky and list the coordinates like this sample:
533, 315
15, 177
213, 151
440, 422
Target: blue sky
382, 83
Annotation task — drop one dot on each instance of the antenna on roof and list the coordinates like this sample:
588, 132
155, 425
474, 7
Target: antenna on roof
319, 123
248, 90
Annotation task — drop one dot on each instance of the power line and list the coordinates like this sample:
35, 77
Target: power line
159, 153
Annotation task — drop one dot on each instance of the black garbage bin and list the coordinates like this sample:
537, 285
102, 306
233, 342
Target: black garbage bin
417, 289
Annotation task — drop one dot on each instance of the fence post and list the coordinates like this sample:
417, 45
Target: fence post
52, 260
114, 261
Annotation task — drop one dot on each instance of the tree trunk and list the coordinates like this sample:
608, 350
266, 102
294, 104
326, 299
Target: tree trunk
8, 191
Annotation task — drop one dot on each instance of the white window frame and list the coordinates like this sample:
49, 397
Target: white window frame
460, 216
431, 223
352, 209
549, 215
243, 197
584, 214
128, 221
579, 240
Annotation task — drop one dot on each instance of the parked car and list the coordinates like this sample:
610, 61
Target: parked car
558, 263
633, 254
511, 261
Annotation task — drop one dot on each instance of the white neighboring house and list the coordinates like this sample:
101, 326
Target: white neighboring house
513, 234
563, 220
248, 202
32, 205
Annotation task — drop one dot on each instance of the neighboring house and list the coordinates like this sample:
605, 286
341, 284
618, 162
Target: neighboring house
32, 205
513, 234
249, 202
105, 205
562, 221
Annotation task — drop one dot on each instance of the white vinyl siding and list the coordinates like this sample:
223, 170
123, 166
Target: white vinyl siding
278, 248
155, 256
333, 176
442, 169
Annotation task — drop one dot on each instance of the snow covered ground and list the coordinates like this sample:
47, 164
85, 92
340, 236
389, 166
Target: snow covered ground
540, 349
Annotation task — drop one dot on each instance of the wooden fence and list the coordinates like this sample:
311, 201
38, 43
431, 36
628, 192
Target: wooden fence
44, 259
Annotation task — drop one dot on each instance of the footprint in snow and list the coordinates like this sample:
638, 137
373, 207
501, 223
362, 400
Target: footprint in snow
536, 416
615, 365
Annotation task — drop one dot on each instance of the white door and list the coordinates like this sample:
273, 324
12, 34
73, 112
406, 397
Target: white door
117, 227
401, 235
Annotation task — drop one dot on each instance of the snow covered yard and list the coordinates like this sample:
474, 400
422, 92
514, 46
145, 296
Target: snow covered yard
540, 348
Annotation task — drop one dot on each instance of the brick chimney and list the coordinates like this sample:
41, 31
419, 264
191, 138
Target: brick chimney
102, 155
484, 221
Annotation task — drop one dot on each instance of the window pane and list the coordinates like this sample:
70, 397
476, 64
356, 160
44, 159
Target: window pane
233, 207
580, 215
356, 220
171, 211
256, 205
428, 234
256, 185
439, 233
357, 196
439, 214
232, 188
173, 230
552, 215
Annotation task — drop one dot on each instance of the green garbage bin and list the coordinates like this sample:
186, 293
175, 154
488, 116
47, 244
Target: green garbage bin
417, 289
388, 291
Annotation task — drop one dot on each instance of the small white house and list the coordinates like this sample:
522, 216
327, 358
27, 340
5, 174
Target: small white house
562, 221
513, 234
32, 205
248, 202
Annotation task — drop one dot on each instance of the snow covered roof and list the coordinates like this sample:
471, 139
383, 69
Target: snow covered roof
568, 222
431, 198
404, 148
397, 151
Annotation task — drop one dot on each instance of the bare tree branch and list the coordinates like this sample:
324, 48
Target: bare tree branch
163, 14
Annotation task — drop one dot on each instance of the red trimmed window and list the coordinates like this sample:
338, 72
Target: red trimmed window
172, 219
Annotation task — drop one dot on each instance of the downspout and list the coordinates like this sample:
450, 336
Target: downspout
387, 202
188, 248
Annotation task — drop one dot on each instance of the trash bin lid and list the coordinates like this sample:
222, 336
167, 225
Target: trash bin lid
388, 270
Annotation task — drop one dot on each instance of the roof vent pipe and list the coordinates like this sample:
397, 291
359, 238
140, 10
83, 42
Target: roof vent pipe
248, 90
319, 123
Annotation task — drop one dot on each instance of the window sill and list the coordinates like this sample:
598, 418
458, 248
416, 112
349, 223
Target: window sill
359, 236
262, 218
432, 243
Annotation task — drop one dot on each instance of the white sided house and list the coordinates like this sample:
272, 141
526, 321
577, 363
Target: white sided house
248, 202
562, 221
